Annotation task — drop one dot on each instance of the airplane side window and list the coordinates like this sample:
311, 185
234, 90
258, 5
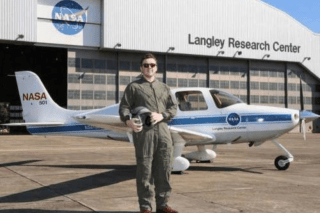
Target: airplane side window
191, 101
223, 99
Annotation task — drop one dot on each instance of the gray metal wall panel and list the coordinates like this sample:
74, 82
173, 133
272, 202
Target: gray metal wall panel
18, 17
156, 25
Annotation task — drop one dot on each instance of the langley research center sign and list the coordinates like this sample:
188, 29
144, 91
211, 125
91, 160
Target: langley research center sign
69, 17
233, 43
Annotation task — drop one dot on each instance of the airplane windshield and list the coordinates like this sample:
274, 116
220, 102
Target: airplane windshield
223, 99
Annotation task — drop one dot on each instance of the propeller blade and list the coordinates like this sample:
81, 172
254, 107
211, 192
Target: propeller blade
301, 95
304, 116
301, 102
303, 125
300, 122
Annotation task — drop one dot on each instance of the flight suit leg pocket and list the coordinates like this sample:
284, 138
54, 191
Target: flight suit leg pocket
143, 144
165, 151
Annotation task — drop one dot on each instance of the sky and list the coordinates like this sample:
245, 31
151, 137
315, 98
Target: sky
306, 12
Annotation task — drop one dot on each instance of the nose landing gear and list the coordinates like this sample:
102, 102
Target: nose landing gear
282, 162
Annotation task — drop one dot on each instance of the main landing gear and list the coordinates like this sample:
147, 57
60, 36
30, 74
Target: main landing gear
282, 162
203, 155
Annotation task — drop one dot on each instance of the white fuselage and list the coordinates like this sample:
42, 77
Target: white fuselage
233, 124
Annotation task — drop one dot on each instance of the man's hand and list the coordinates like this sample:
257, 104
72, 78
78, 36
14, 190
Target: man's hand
135, 124
156, 117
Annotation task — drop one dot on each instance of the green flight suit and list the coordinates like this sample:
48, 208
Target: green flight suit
153, 145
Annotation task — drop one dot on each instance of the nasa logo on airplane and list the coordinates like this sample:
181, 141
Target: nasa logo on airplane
34, 96
233, 119
69, 17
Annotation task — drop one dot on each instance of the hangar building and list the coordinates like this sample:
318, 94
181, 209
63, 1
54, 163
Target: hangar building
87, 51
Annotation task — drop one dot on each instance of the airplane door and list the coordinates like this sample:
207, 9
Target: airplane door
191, 102
194, 110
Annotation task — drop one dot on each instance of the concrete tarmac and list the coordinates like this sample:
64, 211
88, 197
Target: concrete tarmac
68, 174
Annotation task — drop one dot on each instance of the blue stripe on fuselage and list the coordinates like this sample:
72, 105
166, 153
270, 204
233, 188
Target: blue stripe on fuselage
222, 119
175, 121
197, 120
71, 128
266, 118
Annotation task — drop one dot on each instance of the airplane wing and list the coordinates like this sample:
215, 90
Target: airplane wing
192, 138
34, 124
110, 122
113, 122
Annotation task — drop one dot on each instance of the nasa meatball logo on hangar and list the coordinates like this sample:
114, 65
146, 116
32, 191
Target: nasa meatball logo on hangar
69, 17
250, 45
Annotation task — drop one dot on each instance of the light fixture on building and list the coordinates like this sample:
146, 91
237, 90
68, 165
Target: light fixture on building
20, 36
266, 56
306, 58
220, 52
82, 75
171, 49
243, 75
237, 53
117, 45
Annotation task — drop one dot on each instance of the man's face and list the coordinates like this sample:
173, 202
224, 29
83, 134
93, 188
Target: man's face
149, 71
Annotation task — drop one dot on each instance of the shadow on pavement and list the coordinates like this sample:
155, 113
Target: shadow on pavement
57, 211
119, 173
19, 163
223, 169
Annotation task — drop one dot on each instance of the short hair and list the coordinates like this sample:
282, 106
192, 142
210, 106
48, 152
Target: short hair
146, 56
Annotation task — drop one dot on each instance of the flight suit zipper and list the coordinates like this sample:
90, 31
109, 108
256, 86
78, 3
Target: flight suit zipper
154, 92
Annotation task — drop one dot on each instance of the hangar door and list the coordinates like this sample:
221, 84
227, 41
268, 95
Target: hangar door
50, 64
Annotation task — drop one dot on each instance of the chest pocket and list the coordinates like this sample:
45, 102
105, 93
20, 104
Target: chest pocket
162, 96
145, 92
145, 96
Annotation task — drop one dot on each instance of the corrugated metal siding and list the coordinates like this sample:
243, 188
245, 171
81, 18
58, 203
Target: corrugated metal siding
18, 17
157, 25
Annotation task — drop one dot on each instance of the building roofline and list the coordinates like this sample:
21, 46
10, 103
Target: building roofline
288, 15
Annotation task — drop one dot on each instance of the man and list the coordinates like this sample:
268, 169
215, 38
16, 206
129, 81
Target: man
184, 105
153, 145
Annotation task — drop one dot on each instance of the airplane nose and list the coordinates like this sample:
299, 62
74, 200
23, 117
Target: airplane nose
308, 116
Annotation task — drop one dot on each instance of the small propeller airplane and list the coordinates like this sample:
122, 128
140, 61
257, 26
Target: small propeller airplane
204, 117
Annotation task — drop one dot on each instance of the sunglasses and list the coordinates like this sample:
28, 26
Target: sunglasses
149, 65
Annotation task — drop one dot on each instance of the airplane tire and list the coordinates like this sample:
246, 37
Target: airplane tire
279, 163
177, 173
203, 161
